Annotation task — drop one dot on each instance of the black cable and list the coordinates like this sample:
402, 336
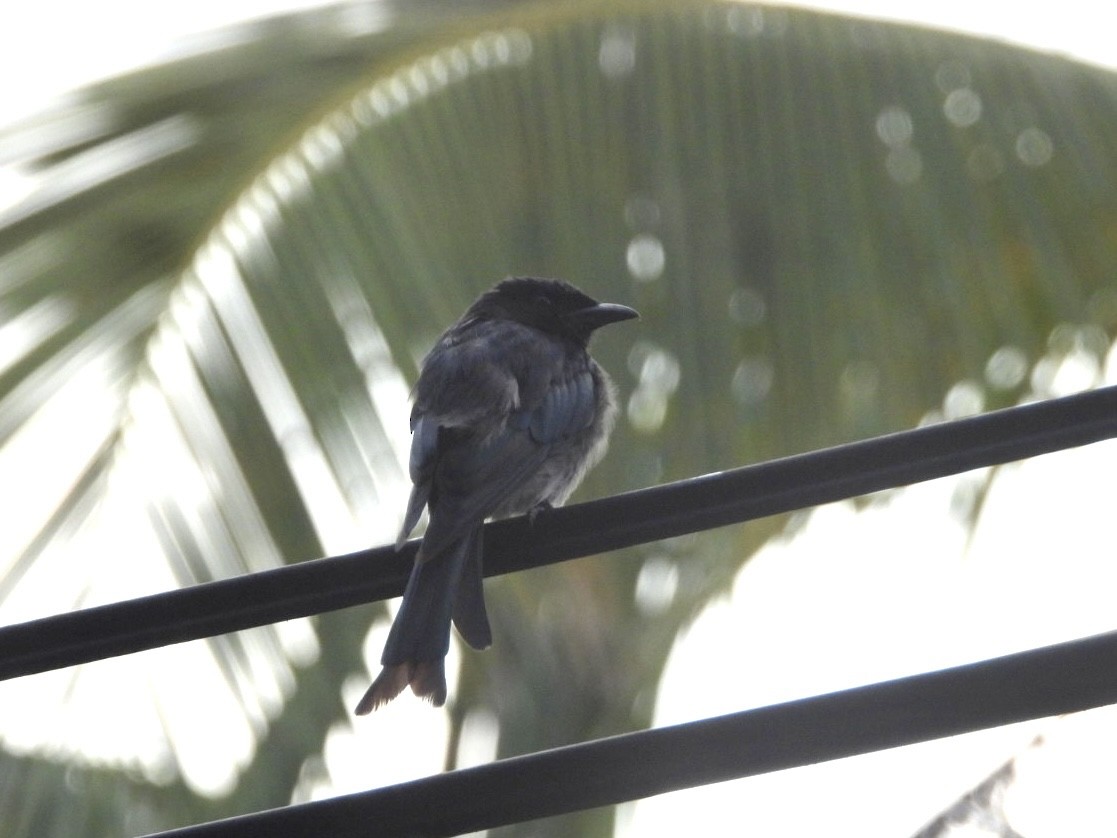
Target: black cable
583, 529
1042, 682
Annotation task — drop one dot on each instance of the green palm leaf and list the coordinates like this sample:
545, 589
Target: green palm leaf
824, 223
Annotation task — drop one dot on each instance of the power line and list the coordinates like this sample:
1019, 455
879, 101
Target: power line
1038, 683
673, 509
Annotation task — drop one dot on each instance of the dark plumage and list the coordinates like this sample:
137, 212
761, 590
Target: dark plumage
510, 412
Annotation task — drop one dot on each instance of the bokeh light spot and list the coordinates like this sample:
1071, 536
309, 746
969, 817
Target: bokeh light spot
617, 55
647, 410
962, 107
656, 585
895, 127
1034, 147
645, 258
1006, 368
966, 398
660, 370
659, 373
752, 380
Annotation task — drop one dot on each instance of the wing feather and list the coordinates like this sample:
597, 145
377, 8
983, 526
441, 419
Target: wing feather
486, 417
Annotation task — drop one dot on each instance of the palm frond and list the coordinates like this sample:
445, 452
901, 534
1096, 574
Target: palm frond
825, 224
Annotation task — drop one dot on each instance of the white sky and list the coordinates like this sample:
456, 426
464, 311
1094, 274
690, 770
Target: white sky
960, 604
111, 36
103, 39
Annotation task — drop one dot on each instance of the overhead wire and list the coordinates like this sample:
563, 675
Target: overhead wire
713, 500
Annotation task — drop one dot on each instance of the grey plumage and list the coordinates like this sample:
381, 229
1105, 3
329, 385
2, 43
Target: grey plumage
510, 412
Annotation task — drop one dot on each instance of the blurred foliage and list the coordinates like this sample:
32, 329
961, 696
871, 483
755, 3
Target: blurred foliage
825, 223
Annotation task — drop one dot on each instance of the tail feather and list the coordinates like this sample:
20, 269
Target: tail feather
426, 678
470, 616
421, 630
442, 587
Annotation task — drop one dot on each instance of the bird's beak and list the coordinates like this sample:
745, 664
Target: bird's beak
602, 314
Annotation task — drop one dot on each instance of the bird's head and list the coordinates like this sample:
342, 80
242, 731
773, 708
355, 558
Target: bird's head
552, 306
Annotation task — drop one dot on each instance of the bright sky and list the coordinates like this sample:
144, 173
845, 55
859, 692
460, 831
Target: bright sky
960, 603
52, 48
111, 36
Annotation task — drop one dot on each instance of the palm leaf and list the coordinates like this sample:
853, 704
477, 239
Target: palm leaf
825, 224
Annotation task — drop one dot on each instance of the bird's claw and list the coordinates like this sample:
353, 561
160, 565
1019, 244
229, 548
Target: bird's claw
533, 513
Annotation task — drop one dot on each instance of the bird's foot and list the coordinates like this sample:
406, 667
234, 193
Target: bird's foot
533, 513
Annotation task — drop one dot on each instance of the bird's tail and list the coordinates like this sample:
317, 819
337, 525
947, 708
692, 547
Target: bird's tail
441, 588
426, 678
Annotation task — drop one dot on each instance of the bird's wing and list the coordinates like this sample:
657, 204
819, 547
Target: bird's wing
473, 379
568, 407
462, 386
473, 478
471, 470
424, 445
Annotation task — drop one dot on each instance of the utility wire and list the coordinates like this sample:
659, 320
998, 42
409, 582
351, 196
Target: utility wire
1038, 683
637, 517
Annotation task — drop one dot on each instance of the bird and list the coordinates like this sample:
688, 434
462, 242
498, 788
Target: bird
509, 413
